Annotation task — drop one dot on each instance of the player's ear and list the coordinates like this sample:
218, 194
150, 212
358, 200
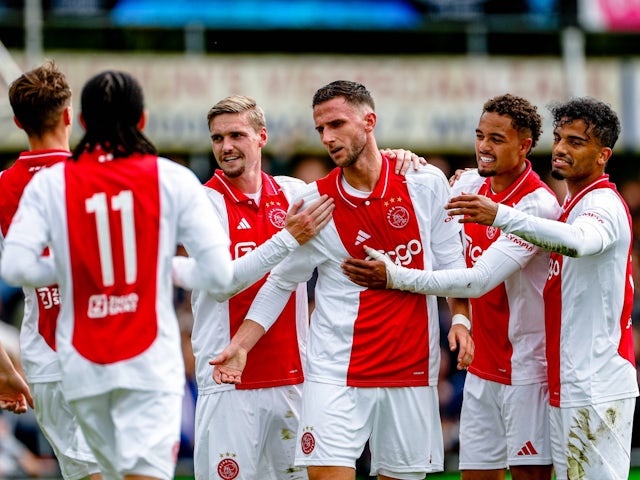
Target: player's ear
143, 121
81, 120
17, 122
67, 115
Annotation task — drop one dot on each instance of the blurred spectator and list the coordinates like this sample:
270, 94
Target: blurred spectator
16, 460
310, 167
442, 163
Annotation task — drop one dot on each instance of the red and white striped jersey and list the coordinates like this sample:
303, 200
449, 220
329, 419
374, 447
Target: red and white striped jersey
508, 322
277, 359
372, 338
41, 305
588, 302
113, 227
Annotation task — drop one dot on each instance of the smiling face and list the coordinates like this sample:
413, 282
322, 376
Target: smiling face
577, 155
500, 149
236, 145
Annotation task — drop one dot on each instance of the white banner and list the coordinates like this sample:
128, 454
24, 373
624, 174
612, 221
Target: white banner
428, 104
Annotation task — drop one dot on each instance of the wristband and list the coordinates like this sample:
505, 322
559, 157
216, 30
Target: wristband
459, 319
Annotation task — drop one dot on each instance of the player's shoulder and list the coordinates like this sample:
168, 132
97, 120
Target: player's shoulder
541, 202
605, 199
171, 167
306, 191
426, 173
469, 181
50, 173
290, 185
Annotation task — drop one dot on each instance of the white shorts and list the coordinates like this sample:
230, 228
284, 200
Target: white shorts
502, 425
593, 442
132, 432
248, 434
60, 428
402, 425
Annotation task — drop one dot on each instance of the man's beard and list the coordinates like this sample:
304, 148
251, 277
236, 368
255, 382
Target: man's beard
487, 173
234, 173
557, 174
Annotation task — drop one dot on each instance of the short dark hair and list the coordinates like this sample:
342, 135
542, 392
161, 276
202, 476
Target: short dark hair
597, 115
38, 97
524, 115
353, 92
112, 104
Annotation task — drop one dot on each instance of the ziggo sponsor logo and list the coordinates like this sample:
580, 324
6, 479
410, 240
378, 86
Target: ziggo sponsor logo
473, 251
554, 268
404, 254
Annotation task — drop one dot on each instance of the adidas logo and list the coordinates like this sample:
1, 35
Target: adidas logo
527, 450
362, 237
243, 225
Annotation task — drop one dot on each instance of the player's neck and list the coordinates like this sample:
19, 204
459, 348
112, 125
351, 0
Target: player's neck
364, 174
49, 141
248, 182
504, 180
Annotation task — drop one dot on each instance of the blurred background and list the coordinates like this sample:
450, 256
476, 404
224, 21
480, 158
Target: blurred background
430, 65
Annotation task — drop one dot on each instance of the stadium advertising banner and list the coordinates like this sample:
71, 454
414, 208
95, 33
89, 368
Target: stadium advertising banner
423, 103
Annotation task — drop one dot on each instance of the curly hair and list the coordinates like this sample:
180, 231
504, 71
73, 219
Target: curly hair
524, 115
597, 115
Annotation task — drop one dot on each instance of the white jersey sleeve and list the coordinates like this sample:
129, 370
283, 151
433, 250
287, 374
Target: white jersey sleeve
247, 269
22, 260
294, 269
501, 260
22, 266
585, 236
491, 269
201, 232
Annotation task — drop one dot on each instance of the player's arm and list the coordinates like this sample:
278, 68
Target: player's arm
22, 262
301, 225
14, 391
25, 267
201, 233
229, 365
585, 236
459, 336
491, 269
265, 309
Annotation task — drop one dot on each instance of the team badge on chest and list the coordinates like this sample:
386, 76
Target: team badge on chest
276, 214
397, 214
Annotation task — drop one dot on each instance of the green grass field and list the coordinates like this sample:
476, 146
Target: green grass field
634, 475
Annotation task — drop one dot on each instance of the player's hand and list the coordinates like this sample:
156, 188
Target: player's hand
404, 159
305, 224
366, 273
229, 365
473, 209
460, 339
14, 393
456, 175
